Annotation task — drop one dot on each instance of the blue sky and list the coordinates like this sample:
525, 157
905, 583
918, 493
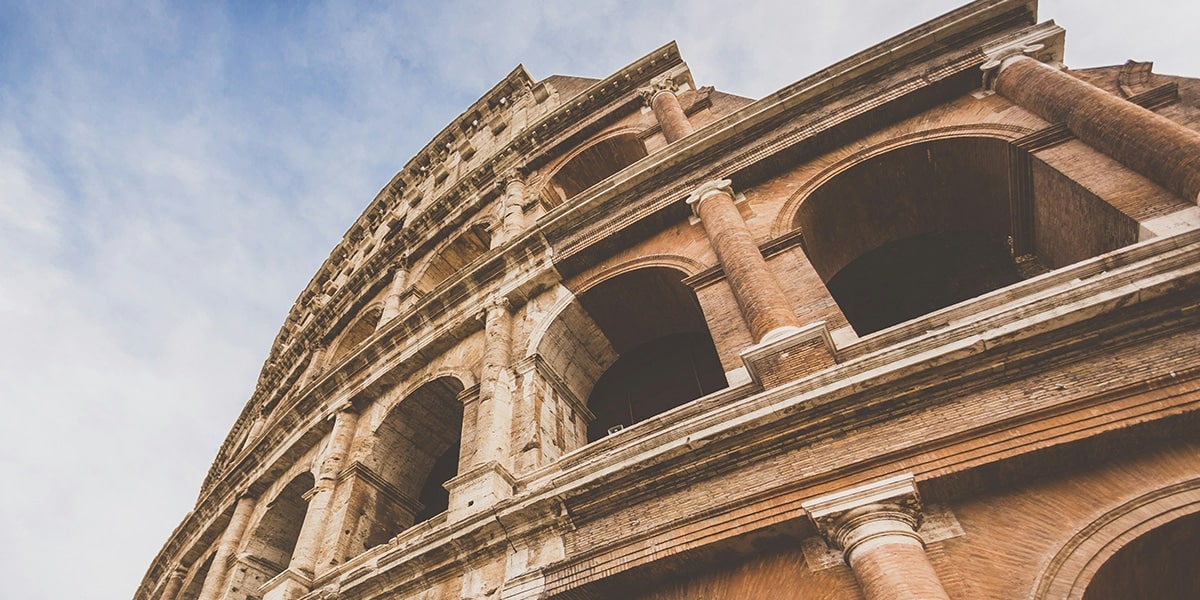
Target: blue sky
172, 173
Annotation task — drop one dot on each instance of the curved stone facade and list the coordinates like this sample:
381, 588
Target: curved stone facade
917, 325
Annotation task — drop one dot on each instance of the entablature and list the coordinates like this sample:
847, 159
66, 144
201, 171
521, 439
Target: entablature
1151, 289
796, 123
391, 227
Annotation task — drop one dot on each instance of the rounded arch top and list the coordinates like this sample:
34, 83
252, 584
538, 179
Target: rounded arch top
588, 164
1071, 570
685, 265
785, 221
448, 258
360, 328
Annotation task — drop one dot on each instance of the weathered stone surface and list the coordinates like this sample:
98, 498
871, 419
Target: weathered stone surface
426, 422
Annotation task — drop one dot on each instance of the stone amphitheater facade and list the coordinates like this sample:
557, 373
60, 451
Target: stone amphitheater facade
921, 325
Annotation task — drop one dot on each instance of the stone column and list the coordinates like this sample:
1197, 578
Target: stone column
304, 556
174, 583
875, 526
660, 97
395, 293
486, 474
214, 581
512, 209
493, 429
763, 303
1151, 144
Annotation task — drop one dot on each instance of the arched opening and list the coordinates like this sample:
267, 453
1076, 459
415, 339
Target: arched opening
1158, 564
665, 356
362, 329
451, 258
591, 166
274, 537
928, 225
195, 583
416, 452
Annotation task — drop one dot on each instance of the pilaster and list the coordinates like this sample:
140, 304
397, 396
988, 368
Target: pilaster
512, 208
304, 556
392, 300
485, 475
173, 585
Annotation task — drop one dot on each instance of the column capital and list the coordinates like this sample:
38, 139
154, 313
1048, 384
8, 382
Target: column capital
468, 395
1000, 58
493, 303
709, 189
658, 85
399, 267
512, 175
850, 517
351, 407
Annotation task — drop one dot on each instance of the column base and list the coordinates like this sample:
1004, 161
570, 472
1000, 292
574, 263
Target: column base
478, 489
788, 353
288, 585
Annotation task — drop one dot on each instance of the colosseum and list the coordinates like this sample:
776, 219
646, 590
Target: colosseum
923, 325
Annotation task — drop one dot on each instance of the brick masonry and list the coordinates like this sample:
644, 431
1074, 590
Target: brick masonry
1045, 424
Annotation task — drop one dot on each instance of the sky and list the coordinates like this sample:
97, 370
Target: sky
173, 173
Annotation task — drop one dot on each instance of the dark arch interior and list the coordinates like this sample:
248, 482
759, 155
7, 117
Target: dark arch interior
1160, 564
418, 451
362, 329
666, 356
907, 278
592, 166
274, 538
434, 497
450, 259
928, 225
196, 584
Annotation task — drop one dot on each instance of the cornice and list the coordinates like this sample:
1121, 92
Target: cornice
782, 122
685, 444
682, 447
325, 301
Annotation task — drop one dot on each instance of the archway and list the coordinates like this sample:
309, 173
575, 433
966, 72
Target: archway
416, 451
665, 355
195, 583
921, 227
362, 329
1159, 564
449, 259
273, 539
592, 165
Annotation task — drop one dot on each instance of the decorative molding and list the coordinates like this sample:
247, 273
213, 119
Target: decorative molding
1069, 572
358, 470
1157, 96
1044, 138
707, 190
834, 513
659, 85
